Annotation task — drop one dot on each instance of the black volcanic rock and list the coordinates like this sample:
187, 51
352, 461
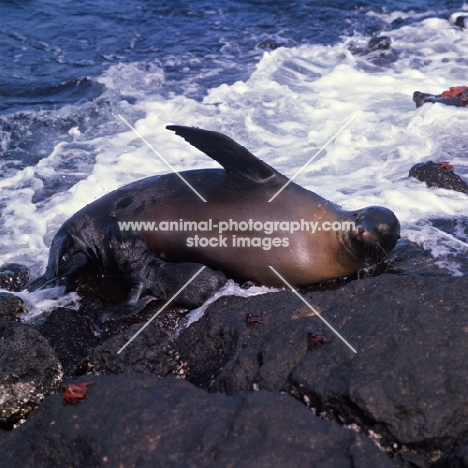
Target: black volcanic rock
458, 458
376, 43
449, 98
70, 333
29, 370
141, 420
13, 277
406, 386
11, 307
438, 175
152, 351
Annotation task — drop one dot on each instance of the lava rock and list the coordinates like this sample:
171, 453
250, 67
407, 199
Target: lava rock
456, 96
376, 43
169, 422
269, 44
11, 307
13, 277
29, 370
74, 335
457, 458
71, 335
150, 351
438, 175
405, 387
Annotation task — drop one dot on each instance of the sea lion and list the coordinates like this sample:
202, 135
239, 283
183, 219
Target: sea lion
236, 197
151, 278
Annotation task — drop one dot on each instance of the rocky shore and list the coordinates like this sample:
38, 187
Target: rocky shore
258, 381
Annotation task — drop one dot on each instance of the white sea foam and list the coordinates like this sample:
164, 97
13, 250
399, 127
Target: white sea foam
229, 289
38, 302
294, 101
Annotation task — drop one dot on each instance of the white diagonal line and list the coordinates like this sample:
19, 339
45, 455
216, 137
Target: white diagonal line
161, 309
314, 311
311, 159
157, 153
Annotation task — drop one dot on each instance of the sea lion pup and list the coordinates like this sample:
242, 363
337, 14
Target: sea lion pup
151, 278
248, 234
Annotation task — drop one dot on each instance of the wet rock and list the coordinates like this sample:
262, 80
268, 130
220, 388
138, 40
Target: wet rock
224, 352
456, 96
458, 458
75, 334
168, 422
13, 277
438, 175
376, 43
269, 44
70, 334
29, 370
150, 351
377, 52
405, 387
459, 20
409, 258
11, 307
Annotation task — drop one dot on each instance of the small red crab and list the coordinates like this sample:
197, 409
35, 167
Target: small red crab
255, 317
446, 165
454, 91
316, 337
75, 392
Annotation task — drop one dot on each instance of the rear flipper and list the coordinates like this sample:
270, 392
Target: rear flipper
151, 278
126, 308
170, 277
56, 267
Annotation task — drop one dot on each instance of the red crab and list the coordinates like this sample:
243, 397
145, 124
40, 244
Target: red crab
316, 337
454, 91
446, 165
75, 392
255, 317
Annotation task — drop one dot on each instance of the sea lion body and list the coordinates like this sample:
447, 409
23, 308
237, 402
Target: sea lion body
238, 193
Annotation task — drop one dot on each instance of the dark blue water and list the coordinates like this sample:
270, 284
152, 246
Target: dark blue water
52, 50
53, 53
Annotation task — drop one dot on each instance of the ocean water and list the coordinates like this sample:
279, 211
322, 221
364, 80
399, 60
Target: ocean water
278, 77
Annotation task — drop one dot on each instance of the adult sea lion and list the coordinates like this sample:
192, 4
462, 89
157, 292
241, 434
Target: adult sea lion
248, 233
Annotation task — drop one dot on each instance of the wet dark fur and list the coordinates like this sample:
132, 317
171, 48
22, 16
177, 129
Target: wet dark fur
154, 279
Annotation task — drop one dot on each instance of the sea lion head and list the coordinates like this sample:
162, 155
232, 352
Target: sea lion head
376, 232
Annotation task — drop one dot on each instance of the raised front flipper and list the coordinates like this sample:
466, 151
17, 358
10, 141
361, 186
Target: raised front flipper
234, 157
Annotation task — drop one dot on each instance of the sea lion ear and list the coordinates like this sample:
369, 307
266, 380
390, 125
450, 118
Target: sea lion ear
233, 157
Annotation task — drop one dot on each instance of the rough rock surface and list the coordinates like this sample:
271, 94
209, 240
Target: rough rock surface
406, 386
75, 334
458, 458
71, 335
29, 370
11, 307
171, 423
438, 175
152, 352
13, 277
